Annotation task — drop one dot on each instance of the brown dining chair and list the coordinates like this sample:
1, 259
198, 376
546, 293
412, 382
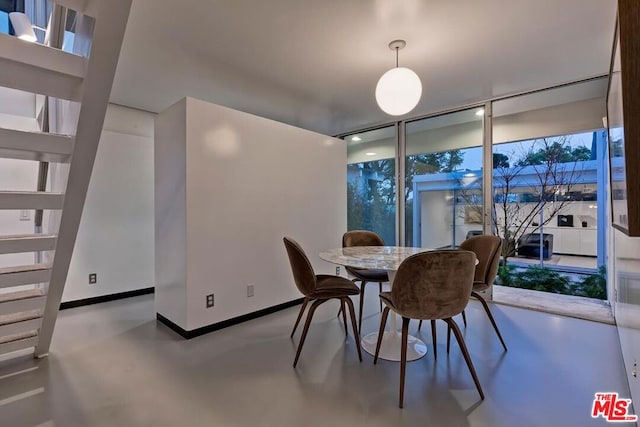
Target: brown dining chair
319, 289
364, 276
487, 249
430, 286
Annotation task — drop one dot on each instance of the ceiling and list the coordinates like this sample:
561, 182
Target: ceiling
315, 64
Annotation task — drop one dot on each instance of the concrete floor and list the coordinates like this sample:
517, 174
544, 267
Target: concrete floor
113, 365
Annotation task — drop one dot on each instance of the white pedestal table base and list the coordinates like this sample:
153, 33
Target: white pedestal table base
391, 346
392, 340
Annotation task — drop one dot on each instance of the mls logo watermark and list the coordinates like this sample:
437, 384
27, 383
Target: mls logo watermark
612, 408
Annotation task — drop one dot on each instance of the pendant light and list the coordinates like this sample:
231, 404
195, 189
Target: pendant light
399, 89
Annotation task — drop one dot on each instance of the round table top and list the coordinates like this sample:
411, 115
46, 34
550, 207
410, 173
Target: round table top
374, 257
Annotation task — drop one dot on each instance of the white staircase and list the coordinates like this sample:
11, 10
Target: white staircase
78, 88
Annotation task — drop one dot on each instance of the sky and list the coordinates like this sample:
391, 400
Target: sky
473, 156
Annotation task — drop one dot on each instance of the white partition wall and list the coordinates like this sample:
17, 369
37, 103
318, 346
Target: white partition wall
228, 187
115, 236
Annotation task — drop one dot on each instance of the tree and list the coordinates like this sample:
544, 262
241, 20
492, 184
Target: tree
371, 197
500, 160
552, 167
559, 151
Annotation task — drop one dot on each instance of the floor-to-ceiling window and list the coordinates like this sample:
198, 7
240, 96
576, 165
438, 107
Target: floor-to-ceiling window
549, 189
443, 179
547, 201
371, 183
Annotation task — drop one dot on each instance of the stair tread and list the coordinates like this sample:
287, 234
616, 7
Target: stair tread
41, 56
20, 317
18, 336
36, 68
20, 295
36, 134
17, 243
24, 268
26, 236
30, 200
38, 146
11, 192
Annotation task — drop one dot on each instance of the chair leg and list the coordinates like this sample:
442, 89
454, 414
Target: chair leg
464, 318
448, 338
344, 317
493, 322
362, 286
383, 324
403, 357
356, 335
420, 325
315, 305
341, 307
433, 337
379, 300
456, 331
304, 305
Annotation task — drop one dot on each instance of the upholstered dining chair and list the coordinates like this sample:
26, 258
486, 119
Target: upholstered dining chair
319, 289
430, 286
487, 250
364, 238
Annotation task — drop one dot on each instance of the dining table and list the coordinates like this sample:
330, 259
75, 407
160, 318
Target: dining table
386, 258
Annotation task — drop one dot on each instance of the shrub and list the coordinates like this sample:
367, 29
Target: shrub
543, 279
535, 278
548, 280
505, 275
594, 285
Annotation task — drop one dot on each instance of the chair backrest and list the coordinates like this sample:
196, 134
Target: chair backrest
487, 250
301, 268
434, 285
361, 238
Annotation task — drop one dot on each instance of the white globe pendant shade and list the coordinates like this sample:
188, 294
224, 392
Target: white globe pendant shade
398, 91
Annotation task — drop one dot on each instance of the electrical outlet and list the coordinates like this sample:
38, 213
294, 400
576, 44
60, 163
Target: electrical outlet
250, 290
93, 278
337, 270
25, 215
209, 300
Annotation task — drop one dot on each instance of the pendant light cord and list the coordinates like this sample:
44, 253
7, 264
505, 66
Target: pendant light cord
397, 49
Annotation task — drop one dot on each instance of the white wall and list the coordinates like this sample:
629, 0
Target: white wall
170, 178
247, 182
626, 274
115, 238
436, 220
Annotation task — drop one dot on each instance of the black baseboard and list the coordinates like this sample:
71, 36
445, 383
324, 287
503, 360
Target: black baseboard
225, 323
105, 298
